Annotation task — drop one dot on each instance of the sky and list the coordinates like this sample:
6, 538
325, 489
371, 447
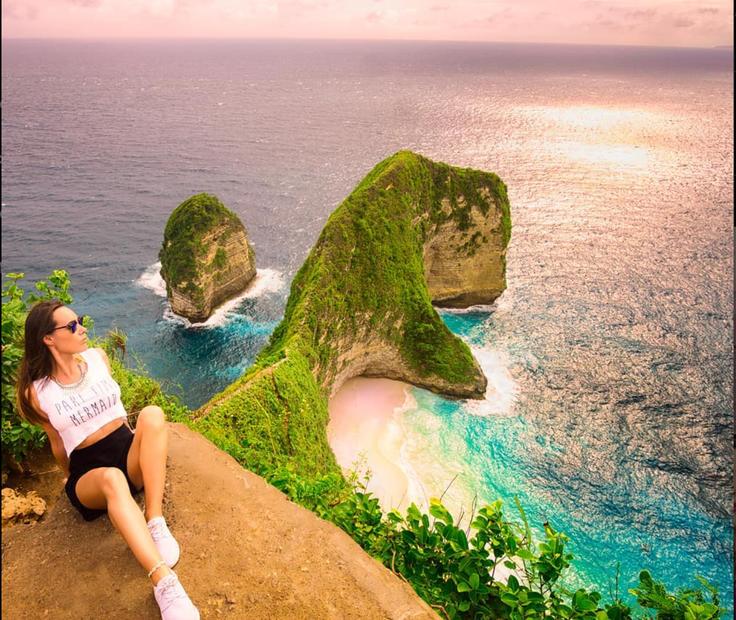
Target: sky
679, 23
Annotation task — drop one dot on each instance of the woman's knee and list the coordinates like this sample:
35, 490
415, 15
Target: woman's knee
151, 416
113, 482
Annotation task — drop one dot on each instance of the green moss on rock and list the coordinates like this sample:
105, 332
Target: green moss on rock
182, 245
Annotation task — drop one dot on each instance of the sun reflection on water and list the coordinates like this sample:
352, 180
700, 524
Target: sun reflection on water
611, 137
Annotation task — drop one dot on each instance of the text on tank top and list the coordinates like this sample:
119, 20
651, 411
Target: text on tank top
76, 413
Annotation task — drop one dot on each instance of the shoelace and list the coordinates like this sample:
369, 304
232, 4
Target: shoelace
169, 592
158, 531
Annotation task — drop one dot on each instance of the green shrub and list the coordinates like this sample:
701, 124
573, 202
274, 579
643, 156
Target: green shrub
453, 569
685, 604
19, 438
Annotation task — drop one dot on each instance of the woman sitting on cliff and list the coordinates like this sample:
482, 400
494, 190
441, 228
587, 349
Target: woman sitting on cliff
67, 389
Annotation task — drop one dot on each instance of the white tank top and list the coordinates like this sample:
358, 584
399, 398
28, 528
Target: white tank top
78, 412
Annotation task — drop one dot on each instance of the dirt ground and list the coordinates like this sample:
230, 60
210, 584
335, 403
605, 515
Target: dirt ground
247, 552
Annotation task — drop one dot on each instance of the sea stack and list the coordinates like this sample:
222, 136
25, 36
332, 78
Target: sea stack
206, 257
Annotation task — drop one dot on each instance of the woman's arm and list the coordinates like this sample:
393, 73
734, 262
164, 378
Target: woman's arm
57, 445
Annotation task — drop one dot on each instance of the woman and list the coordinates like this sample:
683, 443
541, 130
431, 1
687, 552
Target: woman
67, 389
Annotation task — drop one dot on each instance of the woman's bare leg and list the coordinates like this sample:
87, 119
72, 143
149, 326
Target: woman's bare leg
106, 487
147, 458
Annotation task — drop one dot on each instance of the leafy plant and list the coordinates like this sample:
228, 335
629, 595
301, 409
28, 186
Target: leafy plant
19, 437
685, 604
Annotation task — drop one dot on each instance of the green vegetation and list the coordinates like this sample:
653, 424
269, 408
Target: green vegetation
220, 260
182, 249
451, 568
19, 438
365, 275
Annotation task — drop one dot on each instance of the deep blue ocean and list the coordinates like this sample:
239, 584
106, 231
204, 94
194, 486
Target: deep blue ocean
610, 355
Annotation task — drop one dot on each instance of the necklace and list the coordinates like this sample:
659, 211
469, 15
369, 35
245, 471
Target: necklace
77, 385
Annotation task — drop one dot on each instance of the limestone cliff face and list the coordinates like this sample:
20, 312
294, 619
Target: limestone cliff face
371, 356
465, 269
413, 232
206, 258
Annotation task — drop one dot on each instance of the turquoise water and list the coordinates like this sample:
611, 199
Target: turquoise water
626, 521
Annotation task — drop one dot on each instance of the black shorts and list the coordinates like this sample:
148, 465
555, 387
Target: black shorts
110, 451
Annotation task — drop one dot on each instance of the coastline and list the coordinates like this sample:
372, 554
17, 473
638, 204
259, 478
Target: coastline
365, 432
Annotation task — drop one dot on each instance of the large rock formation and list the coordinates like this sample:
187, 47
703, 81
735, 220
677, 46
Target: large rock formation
206, 258
412, 232
247, 552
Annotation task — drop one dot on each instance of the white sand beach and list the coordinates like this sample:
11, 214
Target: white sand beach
365, 422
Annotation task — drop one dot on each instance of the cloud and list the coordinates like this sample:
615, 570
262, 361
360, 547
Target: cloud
85, 3
637, 14
504, 15
605, 23
683, 22
658, 22
10, 10
17, 10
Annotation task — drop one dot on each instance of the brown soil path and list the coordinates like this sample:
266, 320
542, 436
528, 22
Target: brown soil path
247, 552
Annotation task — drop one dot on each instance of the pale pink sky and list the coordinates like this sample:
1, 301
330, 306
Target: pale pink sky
687, 23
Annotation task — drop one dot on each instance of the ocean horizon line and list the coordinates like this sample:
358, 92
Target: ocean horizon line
719, 47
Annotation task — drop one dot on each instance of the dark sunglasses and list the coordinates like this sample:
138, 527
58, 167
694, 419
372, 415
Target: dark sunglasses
72, 325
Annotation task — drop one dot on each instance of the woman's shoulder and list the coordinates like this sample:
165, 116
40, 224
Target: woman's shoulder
99, 356
97, 352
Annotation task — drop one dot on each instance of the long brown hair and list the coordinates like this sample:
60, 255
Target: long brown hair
37, 362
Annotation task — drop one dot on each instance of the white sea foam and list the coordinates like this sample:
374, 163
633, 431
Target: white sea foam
152, 280
415, 490
501, 304
266, 281
502, 390
468, 309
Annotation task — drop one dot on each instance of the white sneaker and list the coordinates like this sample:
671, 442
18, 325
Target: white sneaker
173, 601
164, 541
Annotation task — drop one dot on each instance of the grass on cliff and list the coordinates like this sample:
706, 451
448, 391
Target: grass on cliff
366, 270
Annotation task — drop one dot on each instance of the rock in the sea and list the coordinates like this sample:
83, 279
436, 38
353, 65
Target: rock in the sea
206, 258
